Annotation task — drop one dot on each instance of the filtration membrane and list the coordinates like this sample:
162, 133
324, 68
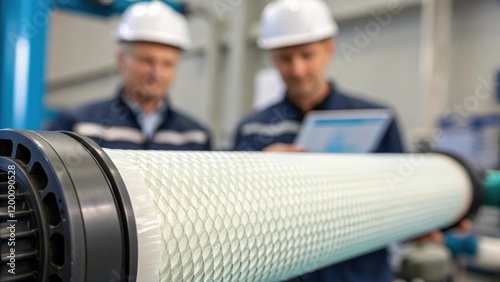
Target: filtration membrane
267, 217
84, 213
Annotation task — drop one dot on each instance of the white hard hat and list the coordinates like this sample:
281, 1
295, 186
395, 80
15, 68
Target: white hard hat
287, 23
154, 22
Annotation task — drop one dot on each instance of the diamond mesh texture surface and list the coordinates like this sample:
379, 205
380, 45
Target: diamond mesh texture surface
267, 217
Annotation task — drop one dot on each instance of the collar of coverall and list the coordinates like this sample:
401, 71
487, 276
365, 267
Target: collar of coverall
163, 107
327, 103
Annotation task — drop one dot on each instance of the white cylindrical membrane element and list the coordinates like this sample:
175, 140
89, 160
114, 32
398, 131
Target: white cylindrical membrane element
488, 253
238, 216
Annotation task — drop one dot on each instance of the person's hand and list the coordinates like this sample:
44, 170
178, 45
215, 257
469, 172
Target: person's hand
282, 147
434, 236
437, 235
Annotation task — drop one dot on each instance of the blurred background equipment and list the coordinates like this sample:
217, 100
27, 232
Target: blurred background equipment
429, 262
463, 256
433, 261
475, 137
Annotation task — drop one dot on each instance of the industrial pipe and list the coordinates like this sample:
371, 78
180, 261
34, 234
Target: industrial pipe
492, 189
77, 212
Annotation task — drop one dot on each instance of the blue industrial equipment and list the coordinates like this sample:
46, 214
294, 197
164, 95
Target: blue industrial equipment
23, 33
23, 43
107, 7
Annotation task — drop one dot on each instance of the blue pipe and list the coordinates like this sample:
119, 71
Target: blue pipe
94, 8
23, 33
461, 245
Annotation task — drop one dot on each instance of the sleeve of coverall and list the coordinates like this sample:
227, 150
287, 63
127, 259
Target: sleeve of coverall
243, 143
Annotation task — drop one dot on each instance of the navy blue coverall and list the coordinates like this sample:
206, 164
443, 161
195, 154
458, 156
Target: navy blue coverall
113, 124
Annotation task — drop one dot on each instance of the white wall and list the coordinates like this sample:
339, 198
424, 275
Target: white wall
475, 53
386, 70
79, 44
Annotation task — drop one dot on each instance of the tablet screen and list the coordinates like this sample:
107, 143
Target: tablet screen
343, 131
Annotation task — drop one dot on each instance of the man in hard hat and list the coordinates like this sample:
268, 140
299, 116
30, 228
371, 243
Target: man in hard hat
299, 35
152, 36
